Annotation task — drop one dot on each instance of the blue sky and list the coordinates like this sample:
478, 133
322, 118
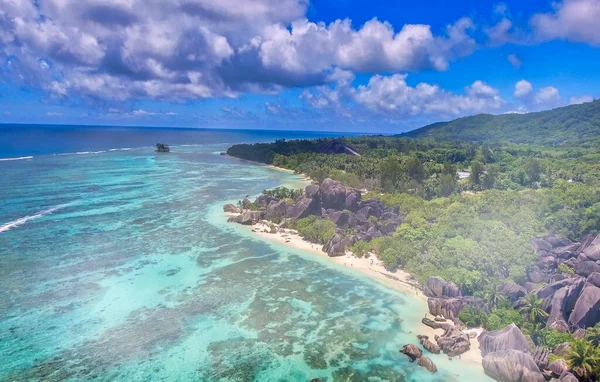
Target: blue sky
367, 65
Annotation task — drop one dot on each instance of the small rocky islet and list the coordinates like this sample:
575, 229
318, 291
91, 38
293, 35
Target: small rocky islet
572, 301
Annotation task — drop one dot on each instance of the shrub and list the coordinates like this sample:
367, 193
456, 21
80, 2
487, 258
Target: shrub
315, 230
473, 317
360, 248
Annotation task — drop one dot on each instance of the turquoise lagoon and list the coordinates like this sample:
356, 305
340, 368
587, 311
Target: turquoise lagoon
119, 265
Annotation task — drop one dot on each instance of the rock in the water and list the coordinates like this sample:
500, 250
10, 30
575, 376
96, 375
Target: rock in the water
586, 268
594, 279
558, 367
427, 344
449, 307
435, 324
512, 366
514, 292
438, 287
412, 351
586, 312
230, 208
454, 341
509, 338
304, 207
427, 364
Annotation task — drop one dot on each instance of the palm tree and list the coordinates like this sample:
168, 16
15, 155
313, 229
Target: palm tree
584, 358
493, 297
531, 308
593, 335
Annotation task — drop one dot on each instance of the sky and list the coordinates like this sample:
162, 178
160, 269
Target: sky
334, 65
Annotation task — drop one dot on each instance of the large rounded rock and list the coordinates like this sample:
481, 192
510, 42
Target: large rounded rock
247, 217
562, 350
509, 338
568, 377
353, 199
336, 246
562, 304
512, 366
333, 194
427, 364
594, 279
438, 287
558, 367
412, 351
586, 312
592, 252
586, 268
514, 292
428, 345
276, 210
304, 207
312, 191
230, 208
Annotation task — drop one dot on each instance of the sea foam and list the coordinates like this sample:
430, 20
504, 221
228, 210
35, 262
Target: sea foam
23, 220
19, 158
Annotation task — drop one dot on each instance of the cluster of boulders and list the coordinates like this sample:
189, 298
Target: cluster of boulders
415, 354
572, 299
355, 219
508, 355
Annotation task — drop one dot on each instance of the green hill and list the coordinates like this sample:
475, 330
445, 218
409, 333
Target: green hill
571, 125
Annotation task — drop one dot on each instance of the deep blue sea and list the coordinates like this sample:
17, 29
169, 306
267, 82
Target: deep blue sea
117, 264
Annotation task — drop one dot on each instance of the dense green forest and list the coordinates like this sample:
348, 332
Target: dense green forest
575, 124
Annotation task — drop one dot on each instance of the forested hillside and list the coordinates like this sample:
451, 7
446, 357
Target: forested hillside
565, 126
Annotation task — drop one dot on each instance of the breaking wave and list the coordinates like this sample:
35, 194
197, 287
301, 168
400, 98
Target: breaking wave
23, 220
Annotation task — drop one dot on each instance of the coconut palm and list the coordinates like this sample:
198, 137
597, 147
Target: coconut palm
531, 308
584, 358
493, 297
593, 335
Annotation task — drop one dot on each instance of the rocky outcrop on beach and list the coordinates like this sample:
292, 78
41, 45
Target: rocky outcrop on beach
438, 287
230, 208
450, 307
512, 366
428, 364
454, 341
509, 338
355, 219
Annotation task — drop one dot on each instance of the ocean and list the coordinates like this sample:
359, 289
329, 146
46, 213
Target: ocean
117, 263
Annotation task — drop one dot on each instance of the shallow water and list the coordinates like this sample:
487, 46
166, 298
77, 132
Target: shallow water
120, 266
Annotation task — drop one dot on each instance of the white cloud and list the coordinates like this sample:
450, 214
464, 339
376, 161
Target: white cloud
53, 114
523, 88
392, 95
547, 96
572, 20
580, 99
190, 49
514, 60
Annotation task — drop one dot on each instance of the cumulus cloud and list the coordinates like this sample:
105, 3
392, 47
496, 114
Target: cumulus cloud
391, 95
547, 96
523, 88
190, 49
572, 20
575, 100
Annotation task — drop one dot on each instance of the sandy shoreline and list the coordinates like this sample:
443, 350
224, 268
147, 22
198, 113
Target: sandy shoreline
399, 280
372, 267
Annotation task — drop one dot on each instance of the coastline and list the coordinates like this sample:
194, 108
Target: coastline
398, 280
372, 267
304, 178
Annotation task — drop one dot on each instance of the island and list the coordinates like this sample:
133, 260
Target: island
162, 148
501, 235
